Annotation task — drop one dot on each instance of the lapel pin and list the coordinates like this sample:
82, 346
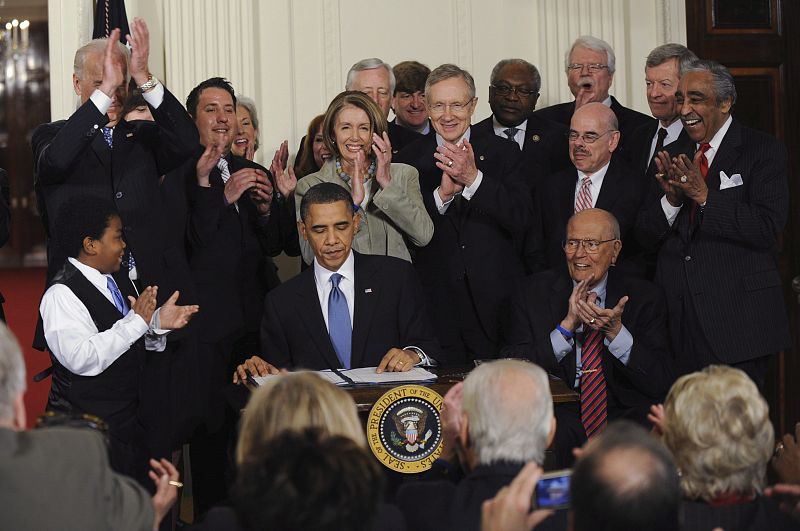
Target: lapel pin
482, 157
129, 135
536, 138
368, 290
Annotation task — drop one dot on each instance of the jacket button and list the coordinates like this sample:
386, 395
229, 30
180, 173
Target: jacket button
463, 246
687, 257
118, 195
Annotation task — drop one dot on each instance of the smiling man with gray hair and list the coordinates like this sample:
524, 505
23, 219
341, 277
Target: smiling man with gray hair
506, 421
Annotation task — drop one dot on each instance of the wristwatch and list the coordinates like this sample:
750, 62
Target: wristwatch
149, 84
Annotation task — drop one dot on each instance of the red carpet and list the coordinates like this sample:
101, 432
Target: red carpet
22, 288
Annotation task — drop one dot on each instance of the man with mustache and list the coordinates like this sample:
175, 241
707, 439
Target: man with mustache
717, 225
590, 65
598, 178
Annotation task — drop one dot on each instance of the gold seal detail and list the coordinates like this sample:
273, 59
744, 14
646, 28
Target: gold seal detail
404, 428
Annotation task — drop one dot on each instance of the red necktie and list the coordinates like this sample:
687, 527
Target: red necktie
705, 146
594, 402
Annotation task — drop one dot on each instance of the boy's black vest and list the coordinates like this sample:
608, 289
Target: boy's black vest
112, 395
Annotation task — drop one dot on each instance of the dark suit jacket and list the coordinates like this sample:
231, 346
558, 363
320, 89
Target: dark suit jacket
727, 262
72, 158
476, 239
541, 304
621, 194
389, 312
39, 474
640, 147
629, 120
401, 136
758, 515
442, 505
545, 150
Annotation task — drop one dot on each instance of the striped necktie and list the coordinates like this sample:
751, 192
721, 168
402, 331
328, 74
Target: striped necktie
584, 199
119, 300
594, 401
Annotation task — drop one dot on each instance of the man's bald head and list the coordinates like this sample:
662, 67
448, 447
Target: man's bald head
600, 112
593, 137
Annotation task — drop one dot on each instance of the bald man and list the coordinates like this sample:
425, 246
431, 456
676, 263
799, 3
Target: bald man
598, 178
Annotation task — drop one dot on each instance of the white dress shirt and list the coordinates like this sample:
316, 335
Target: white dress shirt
468, 191
73, 337
673, 132
597, 179
519, 136
671, 212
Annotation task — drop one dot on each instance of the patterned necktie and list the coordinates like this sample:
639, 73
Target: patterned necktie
119, 300
662, 134
594, 402
511, 132
705, 146
584, 199
108, 134
222, 164
339, 327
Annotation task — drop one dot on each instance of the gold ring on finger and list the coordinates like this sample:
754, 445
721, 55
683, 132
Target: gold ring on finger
383, 151
659, 175
450, 163
592, 320
684, 178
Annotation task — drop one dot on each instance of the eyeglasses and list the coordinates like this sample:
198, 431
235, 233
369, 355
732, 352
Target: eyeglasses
591, 246
455, 108
589, 137
593, 68
505, 90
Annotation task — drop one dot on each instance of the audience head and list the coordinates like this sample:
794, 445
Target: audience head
87, 73
212, 105
247, 127
308, 480
705, 95
592, 244
408, 99
450, 96
349, 122
374, 78
590, 64
294, 402
12, 381
135, 107
89, 228
662, 72
716, 424
593, 137
513, 91
625, 481
315, 152
507, 413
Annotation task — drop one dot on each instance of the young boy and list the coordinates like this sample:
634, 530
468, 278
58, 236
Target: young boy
97, 339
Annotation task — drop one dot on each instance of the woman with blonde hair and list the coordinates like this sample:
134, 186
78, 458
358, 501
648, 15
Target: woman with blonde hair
716, 424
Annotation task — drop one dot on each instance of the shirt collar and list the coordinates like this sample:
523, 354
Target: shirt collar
94, 276
673, 130
716, 140
347, 270
440, 140
599, 174
499, 128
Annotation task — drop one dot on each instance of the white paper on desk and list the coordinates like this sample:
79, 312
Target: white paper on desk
367, 375
261, 380
327, 375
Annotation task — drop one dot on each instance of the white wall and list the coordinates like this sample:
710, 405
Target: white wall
291, 55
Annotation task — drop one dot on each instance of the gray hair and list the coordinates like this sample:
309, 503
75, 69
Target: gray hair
250, 105
671, 50
596, 45
724, 86
613, 224
97, 46
533, 72
370, 64
12, 372
447, 71
508, 422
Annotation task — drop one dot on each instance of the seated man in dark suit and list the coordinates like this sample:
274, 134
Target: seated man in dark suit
590, 66
601, 332
507, 421
57, 478
307, 320
598, 179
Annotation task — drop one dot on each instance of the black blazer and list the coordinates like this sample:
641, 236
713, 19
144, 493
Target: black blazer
389, 312
629, 120
401, 136
442, 505
541, 304
475, 240
640, 147
621, 194
727, 261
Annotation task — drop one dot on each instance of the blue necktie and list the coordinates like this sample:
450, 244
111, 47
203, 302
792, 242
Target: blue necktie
119, 300
339, 327
108, 134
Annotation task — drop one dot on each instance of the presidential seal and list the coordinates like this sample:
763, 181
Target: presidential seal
404, 428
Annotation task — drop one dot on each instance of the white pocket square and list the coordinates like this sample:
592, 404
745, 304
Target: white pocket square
729, 182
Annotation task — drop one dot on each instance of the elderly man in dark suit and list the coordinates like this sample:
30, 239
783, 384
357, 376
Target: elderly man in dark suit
598, 178
590, 66
602, 332
480, 204
717, 225
348, 309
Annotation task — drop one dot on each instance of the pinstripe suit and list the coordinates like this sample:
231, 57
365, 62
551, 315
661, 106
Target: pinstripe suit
720, 275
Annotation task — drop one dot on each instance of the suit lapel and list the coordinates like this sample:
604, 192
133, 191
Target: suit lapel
559, 304
610, 190
122, 140
101, 150
310, 314
726, 155
367, 294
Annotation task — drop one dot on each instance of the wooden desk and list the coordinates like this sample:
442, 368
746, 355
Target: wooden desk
365, 397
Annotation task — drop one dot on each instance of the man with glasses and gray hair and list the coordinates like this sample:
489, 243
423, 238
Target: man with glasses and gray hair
603, 332
590, 64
